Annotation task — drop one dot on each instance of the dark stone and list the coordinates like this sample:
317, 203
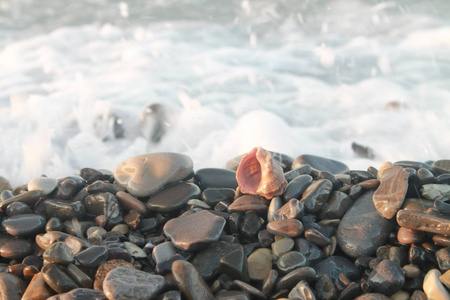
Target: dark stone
251, 225
129, 202
320, 163
293, 209
286, 228
442, 166
54, 224
235, 265
297, 186
173, 198
325, 288
65, 210
387, 278
443, 179
212, 196
105, 268
249, 203
303, 170
291, 261
443, 259
215, 178
415, 165
362, 229
335, 265
337, 205
30, 198
66, 189
100, 186
254, 292
57, 279
311, 251
164, 255
102, 204
11, 287
317, 237
269, 282
265, 238
80, 294
232, 295
24, 225
93, 256
190, 282
80, 278
132, 219
92, 175
316, 195
18, 208
424, 222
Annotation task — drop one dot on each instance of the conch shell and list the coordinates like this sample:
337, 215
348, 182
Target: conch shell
259, 174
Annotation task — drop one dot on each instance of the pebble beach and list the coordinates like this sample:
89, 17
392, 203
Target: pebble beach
153, 228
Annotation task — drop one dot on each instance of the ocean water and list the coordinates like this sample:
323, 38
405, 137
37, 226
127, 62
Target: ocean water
297, 77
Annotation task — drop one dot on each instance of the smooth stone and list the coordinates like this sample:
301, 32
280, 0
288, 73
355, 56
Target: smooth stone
164, 255
292, 174
5, 185
387, 278
409, 236
297, 186
251, 225
208, 260
24, 225
310, 250
173, 198
249, 203
44, 184
415, 165
442, 166
18, 208
212, 196
337, 205
260, 264
66, 189
190, 282
281, 247
443, 179
59, 253
316, 195
320, 163
335, 265
317, 237
325, 288
93, 256
424, 222
64, 210
433, 287
105, 268
81, 278
265, 238
445, 279
134, 250
57, 279
37, 289
373, 296
170, 295
11, 287
129, 202
302, 291
254, 292
275, 204
418, 205
14, 248
145, 174
289, 280
286, 228
235, 265
54, 224
46, 240
439, 192
362, 229
102, 204
80, 294
92, 175
411, 270
389, 196
124, 283
215, 178
291, 261
193, 232
232, 295
293, 209
270, 282
369, 184
30, 198
100, 186
443, 259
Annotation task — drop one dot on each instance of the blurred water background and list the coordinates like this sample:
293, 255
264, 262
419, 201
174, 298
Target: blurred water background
297, 77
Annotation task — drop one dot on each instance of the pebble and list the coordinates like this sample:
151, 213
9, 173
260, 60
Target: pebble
11, 287
37, 289
316, 195
270, 282
5, 185
232, 295
129, 202
124, 283
281, 247
362, 229
335, 265
433, 287
80, 294
337, 205
290, 261
297, 186
289, 280
81, 278
254, 292
66, 189
59, 253
293, 209
215, 178
145, 174
442, 166
44, 184
235, 265
302, 291
409, 236
18, 208
445, 279
93, 256
57, 279
387, 278
24, 225
424, 222
320, 163
275, 204
389, 196
249, 203
325, 288
173, 198
190, 282
373, 296
212, 196
64, 210
105, 268
30, 198
260, 264
436, 192
14, 248
286, 228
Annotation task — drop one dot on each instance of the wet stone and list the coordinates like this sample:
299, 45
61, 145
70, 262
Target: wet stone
79, 276
293, 209
362, 229
316, 195
105, 268
270, 282
281, 247
44, 184
443, 179
320, 163
232, 295
335, 265
173, 198
433, 287
18, 208
286, 228
291, 261
92, 175
164, 255
93, 256
387, 278
265, 238
11, 287
37, 289
254, 292
125, 283
303, 170
443, 259
145, 174
260, 264
439, 192
251, 224
59, 253
54, 224
212, 196
289, 280
235, 265
64, 210
134, 250
171, 295
57, 279
14, 248
24, 225
337, 205
325, 288
424, 222
100, 186
373, 296
101, 204
190, 282
275, 204
129, 202
215, 178
66, 189
442, 166
409, 236
302, 291
317, 237
310, 250
297, 186
80, 294
249, 203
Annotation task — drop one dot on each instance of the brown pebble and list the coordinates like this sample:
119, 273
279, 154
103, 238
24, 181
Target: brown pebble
370, 184
129, 202
105, 268
11, 287
286, 228
190, 282
409, 236
424, 222
37, 289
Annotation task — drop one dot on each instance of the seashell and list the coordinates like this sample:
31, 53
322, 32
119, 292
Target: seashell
259, 174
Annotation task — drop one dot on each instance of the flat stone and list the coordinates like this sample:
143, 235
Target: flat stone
291, 261
57, 279
442, 166
386, 278
389, 196
302, 291
260, 264
208, 261
281, 247
65, 210
44, 184
80, 294
125, 283
335, 265
235, 265
14, 248
286, 228
59, 253
11, 287
215, 178
316, 195
289, 280
105, 268
145, 174
129, 202
18, 208
311, 251
337, 205
93, 256
438, 192
424, 222
66, 189
80, 278
433, 287
297, 186
321, 164
190, 282
250, 289
270, 282
362, 229
30, 198
24, 225
195, 231
212, 196
293, 209
173, 198
92, 175
134, 250
317, 237
249, 203
37, 289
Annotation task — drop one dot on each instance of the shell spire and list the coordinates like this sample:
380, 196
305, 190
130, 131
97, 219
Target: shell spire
259, 174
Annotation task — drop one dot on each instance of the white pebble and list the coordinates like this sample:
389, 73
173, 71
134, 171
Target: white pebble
44, 184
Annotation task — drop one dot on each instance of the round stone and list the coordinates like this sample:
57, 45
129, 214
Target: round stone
442, 166
260, 264
93, 256
105, 268
291, 261
215, 178
145, 174
65, 210
173, 198
24, 225
316, 195
37, 289
14, 248
320, 163
124, 283
44, 184
190, 282
286, 228
433, 287
11, 287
